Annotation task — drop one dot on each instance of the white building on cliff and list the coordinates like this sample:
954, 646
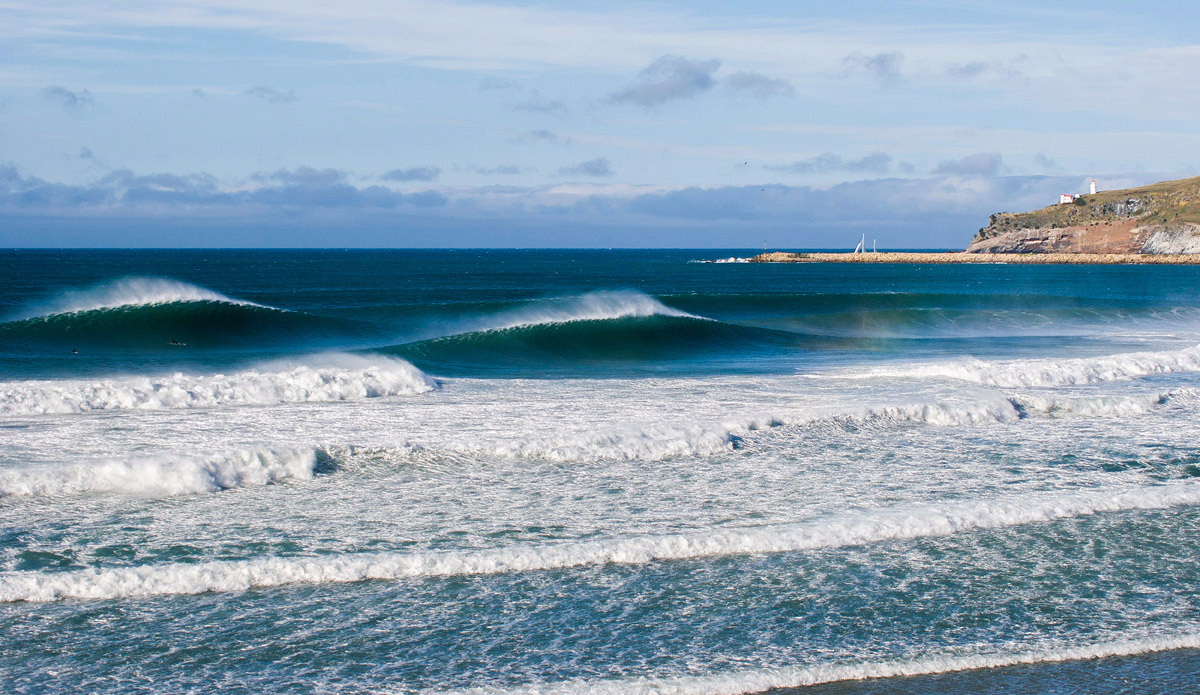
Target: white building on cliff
1068, 198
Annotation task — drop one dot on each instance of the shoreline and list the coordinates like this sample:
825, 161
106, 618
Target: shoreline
938, 257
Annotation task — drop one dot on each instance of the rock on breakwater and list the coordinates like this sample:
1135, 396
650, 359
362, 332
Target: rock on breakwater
935, 257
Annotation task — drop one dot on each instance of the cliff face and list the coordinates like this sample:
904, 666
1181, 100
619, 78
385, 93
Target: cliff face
1161, 218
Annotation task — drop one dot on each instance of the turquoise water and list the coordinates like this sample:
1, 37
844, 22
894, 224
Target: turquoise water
594, 471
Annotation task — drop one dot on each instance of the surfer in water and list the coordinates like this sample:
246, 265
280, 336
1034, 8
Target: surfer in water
172, 341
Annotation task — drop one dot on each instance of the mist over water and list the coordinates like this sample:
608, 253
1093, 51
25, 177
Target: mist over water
589, 472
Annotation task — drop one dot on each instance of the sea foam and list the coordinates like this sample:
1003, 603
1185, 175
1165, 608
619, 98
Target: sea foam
161, 476
1051, 372
331, 378
851, 528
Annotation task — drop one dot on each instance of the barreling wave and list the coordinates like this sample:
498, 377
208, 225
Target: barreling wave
589, 341
586, 330
871, 526
198, 324
333, 377
1051, 372
162, 476
762, 680
160, 314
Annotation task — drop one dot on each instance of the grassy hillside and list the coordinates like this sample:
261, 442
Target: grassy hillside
1160, 203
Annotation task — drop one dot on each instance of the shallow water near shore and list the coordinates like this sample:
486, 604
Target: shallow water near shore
594, 472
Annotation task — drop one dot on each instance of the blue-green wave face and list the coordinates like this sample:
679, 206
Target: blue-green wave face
560, 347
201, 324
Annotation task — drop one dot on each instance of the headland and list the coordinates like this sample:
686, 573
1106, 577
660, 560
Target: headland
1157, 224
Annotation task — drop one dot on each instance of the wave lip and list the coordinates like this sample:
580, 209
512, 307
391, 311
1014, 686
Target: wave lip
1050, 372
340, 378
592, 306
762, 680
843, 530
127, 292
162, 476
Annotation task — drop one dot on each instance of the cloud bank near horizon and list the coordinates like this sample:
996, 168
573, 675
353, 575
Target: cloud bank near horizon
949, 208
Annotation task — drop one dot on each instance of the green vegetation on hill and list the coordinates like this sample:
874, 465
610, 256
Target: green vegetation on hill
1166, 202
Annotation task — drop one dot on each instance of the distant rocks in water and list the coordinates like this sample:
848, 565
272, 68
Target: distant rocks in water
1162, 218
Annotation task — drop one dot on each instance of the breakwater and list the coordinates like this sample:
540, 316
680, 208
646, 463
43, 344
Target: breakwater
962, 257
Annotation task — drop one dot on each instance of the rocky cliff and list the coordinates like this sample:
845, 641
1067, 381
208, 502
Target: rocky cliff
1160, 218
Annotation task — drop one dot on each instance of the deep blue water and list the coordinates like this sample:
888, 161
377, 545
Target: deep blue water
594, 471
434, 308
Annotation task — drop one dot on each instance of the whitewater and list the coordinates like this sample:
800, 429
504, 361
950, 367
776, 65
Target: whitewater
594, 472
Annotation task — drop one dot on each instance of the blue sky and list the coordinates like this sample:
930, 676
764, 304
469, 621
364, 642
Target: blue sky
398, 123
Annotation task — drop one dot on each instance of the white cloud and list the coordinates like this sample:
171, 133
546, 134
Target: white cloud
668, 78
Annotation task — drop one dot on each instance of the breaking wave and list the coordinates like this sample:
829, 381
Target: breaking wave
602, 327
1052, 372
161, 476
870, 526
336, 377
167, 315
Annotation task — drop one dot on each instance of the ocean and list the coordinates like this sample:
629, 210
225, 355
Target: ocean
564, 471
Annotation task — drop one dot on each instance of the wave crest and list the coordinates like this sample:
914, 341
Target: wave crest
591, 306
132, 291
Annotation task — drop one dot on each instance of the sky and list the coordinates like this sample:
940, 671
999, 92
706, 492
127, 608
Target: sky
414, 123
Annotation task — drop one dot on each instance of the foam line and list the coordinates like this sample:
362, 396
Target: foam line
338, 378
133, 291
661, 443
836, 531
760, 680
161, 476
1052, 372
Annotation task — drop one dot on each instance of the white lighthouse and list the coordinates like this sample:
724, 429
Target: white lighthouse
1093, 189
